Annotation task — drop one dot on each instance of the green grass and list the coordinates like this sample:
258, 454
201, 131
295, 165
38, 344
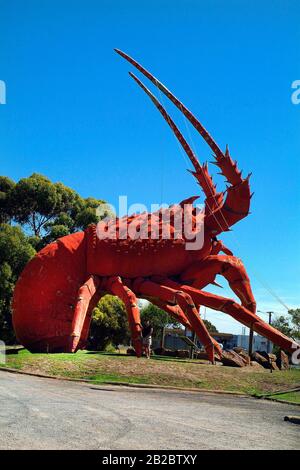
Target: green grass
168, 371
107, 378
291, 397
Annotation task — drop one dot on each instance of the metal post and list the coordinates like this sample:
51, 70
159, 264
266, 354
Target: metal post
162, 343
270, 321
250, 347
269, 343
192, 347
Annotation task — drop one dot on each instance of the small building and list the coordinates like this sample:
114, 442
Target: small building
259, 342
173, 340
228, 340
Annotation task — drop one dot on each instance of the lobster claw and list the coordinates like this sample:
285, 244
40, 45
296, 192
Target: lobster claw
189, 200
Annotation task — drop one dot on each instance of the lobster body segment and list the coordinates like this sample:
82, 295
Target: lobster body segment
130, 258
58, 289
46, 293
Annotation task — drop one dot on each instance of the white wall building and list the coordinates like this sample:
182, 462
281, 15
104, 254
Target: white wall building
259, 342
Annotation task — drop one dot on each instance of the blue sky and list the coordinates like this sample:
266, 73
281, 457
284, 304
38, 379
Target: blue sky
73, 113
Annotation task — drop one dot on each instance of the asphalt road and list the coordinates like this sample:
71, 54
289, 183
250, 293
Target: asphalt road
40, 413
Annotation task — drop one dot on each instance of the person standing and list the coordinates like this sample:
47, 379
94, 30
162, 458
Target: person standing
147, 331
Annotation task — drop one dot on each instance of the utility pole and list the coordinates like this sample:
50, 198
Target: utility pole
270, 321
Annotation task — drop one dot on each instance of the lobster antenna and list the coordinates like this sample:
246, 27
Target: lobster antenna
171, 123
193, 120
200, 172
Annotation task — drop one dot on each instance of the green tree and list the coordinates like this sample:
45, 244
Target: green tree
44, 211
6, 187
158, 318
211, 328
49, 210
15, 252
295, 320
289, 326
283, 324
109, 324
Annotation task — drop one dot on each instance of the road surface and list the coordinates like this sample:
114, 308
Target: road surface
38, 413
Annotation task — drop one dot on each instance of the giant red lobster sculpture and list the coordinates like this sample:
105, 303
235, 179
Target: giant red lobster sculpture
58, 289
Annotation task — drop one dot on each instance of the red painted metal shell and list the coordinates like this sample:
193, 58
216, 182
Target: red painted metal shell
46, 294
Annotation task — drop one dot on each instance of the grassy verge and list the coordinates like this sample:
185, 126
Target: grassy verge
291, 397
105, 367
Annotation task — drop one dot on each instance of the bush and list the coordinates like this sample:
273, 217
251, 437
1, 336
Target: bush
109, 325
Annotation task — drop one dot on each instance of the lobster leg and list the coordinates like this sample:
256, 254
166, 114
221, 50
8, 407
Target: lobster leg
218, 246
116, 287
87, 323
175, 296
173, 310
85, 294
239, 313
231, 267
